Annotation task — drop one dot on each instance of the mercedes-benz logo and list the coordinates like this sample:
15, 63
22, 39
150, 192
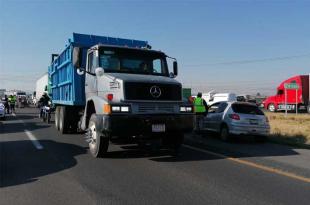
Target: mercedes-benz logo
155, 91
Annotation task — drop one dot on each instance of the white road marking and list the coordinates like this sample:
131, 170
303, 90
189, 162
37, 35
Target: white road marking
34, 140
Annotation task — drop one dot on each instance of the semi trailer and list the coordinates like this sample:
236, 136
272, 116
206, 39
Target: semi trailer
115, 88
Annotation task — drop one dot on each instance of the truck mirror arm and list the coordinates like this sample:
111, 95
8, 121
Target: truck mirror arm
84, 70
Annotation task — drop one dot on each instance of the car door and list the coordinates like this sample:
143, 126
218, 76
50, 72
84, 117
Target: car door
218, 116
91, 80
209, 120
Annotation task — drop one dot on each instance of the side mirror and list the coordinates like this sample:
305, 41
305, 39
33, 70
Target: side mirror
80, 71
76, 59
99, 71
175, 68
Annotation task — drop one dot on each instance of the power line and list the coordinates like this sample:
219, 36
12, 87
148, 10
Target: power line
252, 61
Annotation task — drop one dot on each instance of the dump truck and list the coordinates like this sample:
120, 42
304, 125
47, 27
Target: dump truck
118, 88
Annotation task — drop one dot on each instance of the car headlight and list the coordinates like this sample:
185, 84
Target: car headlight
186, 109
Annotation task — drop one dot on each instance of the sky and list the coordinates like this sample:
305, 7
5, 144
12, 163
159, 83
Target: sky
227, 46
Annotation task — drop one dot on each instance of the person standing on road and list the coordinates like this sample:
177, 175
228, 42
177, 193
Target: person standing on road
12, 101
6, 104
200, 108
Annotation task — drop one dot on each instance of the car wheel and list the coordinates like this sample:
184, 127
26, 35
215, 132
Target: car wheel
98, 141
224, 133
271, 107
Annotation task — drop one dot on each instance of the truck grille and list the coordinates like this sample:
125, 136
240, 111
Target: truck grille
155, 108
141, 91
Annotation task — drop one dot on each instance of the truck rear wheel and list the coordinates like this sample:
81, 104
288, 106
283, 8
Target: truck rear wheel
63, 127
57, 118
98, 141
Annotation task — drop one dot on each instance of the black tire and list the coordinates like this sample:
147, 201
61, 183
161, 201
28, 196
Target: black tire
271, 107
57, 117
63, 125
260, 139
99, 142
224, 133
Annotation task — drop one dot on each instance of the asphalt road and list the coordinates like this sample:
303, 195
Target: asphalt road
40, 166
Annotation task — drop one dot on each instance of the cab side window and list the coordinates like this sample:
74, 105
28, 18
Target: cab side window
91, 63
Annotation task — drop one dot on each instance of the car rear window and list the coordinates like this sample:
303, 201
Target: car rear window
246, 109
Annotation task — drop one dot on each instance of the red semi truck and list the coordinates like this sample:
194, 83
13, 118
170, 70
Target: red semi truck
277, 102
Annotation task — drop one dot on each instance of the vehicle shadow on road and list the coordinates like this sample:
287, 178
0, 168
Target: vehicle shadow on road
158, 154
21, 163
241, 147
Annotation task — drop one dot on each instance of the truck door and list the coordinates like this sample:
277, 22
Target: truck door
91, 80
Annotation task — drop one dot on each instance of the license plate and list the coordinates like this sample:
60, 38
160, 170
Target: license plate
253, 122
158, 128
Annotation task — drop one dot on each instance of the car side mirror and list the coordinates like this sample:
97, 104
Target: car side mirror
76, 57
175, 68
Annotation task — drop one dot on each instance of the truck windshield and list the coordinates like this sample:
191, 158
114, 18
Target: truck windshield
123, 60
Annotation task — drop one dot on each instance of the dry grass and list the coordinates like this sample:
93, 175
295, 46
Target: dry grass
290, 129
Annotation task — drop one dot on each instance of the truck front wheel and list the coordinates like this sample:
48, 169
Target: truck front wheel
271, 107
98, 141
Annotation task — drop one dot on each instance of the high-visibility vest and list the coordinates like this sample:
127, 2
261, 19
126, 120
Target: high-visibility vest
12, 100
198, 105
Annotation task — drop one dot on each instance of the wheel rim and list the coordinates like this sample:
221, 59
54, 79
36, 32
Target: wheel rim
92, 136
271, 108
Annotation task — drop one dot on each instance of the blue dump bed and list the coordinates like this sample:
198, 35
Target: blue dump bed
66, 86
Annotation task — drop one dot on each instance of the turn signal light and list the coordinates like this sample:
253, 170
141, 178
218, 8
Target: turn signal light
110, 97
234, 116
107, 108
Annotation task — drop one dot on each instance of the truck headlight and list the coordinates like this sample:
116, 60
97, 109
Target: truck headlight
120, 108
186, 109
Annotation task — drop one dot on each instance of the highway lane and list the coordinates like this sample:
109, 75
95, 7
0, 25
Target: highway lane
63, 172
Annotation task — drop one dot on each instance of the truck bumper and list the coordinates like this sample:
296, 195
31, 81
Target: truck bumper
135, 125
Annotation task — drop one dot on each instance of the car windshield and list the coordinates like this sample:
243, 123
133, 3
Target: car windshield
134, 61
246, 109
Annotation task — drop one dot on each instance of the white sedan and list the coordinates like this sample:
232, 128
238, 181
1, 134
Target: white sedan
236, 118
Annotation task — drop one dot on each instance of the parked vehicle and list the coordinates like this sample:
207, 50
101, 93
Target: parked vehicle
246, 98
41, 87
277, 102
236, 118
213, 97
117, 87
21, 99
2, 111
